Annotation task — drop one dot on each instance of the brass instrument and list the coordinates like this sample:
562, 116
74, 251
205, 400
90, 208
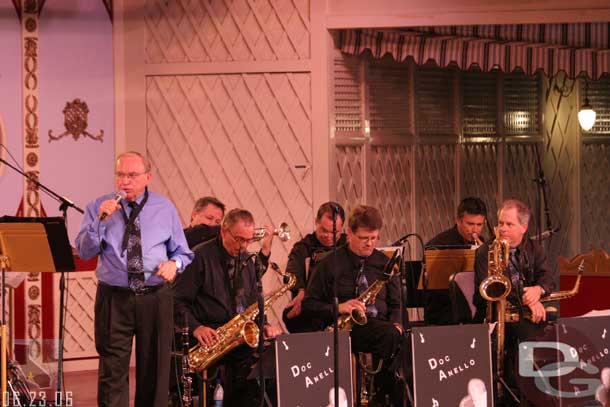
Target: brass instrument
512, 312
282, 232
495, 288
240, 329
346, 321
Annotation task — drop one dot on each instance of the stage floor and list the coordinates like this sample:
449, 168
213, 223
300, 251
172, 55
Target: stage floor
83, 386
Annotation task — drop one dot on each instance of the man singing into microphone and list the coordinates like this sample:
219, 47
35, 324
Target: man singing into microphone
141, 247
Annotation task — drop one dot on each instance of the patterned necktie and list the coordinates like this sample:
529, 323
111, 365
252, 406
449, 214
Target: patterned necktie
513, 271
135, 264
361, 286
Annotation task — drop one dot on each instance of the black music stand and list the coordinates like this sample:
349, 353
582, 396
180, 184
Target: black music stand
56, 239
18, 241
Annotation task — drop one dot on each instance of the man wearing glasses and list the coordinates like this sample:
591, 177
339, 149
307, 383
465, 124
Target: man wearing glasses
358, 265
141, 247
304, 256
219, 284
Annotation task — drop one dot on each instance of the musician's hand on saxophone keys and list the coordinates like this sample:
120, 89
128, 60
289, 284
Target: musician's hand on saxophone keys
350, 305
531, 295
538, 312
272, 331
205, 335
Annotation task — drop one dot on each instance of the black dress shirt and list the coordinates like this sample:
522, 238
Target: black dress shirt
532, 265
319, 293
308, 247
200, 233
206, 293
449, 237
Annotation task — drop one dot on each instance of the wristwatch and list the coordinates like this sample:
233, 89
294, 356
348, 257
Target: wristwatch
178, 263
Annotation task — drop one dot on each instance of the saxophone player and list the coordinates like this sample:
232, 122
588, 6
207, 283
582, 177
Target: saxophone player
357, 265
530, 277
219, 284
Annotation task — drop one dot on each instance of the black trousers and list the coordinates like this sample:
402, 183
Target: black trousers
119, 316
383, 341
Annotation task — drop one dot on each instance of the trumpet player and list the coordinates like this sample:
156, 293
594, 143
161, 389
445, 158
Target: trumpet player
358, 265
304, 256
219, 284
467, 231
205, 220
530, 276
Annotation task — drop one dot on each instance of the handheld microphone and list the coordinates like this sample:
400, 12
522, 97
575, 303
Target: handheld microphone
119, 196
546, 234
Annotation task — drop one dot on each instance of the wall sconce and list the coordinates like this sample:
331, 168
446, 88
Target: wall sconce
586, 114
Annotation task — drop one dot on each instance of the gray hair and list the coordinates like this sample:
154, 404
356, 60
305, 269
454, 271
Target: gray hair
135, 154
235, 215
523, 212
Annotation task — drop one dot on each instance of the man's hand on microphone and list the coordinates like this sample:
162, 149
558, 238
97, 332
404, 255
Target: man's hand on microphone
108, 207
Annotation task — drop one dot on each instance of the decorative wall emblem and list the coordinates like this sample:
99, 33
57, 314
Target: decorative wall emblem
75, 120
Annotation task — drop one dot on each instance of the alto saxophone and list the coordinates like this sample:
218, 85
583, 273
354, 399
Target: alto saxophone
495, 288
346, 321
512, 312
240, 329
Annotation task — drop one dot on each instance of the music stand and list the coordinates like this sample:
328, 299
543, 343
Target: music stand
443, 263
61, 252
18, 242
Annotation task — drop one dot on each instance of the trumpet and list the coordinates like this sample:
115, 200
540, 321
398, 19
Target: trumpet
282, 232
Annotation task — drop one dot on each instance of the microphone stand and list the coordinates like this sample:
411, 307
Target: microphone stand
541, 196
335, 311
65, 203
258, 267
404, 316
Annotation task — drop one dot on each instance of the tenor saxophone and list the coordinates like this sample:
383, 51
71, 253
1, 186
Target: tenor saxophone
346, 321
240, 329
512, 312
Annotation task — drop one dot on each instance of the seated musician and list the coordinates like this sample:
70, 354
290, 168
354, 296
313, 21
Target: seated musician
471, 216
528, 270
205, 220
305, 254
216, 287
358, 265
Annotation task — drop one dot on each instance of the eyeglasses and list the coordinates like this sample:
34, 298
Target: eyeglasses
129, 175
371, 239
240, 240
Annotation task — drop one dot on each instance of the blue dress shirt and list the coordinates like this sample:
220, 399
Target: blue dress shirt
162, 239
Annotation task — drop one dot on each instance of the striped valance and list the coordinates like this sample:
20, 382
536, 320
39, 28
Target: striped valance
487, 53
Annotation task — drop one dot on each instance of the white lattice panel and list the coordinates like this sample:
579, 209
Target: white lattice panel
595, 192
244, 138
435, 174
227, 30
519, 172
349, 176
560, 163
480, 175
79, 338
391, 190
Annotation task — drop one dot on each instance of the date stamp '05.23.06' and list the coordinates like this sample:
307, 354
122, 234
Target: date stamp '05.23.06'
37, 399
